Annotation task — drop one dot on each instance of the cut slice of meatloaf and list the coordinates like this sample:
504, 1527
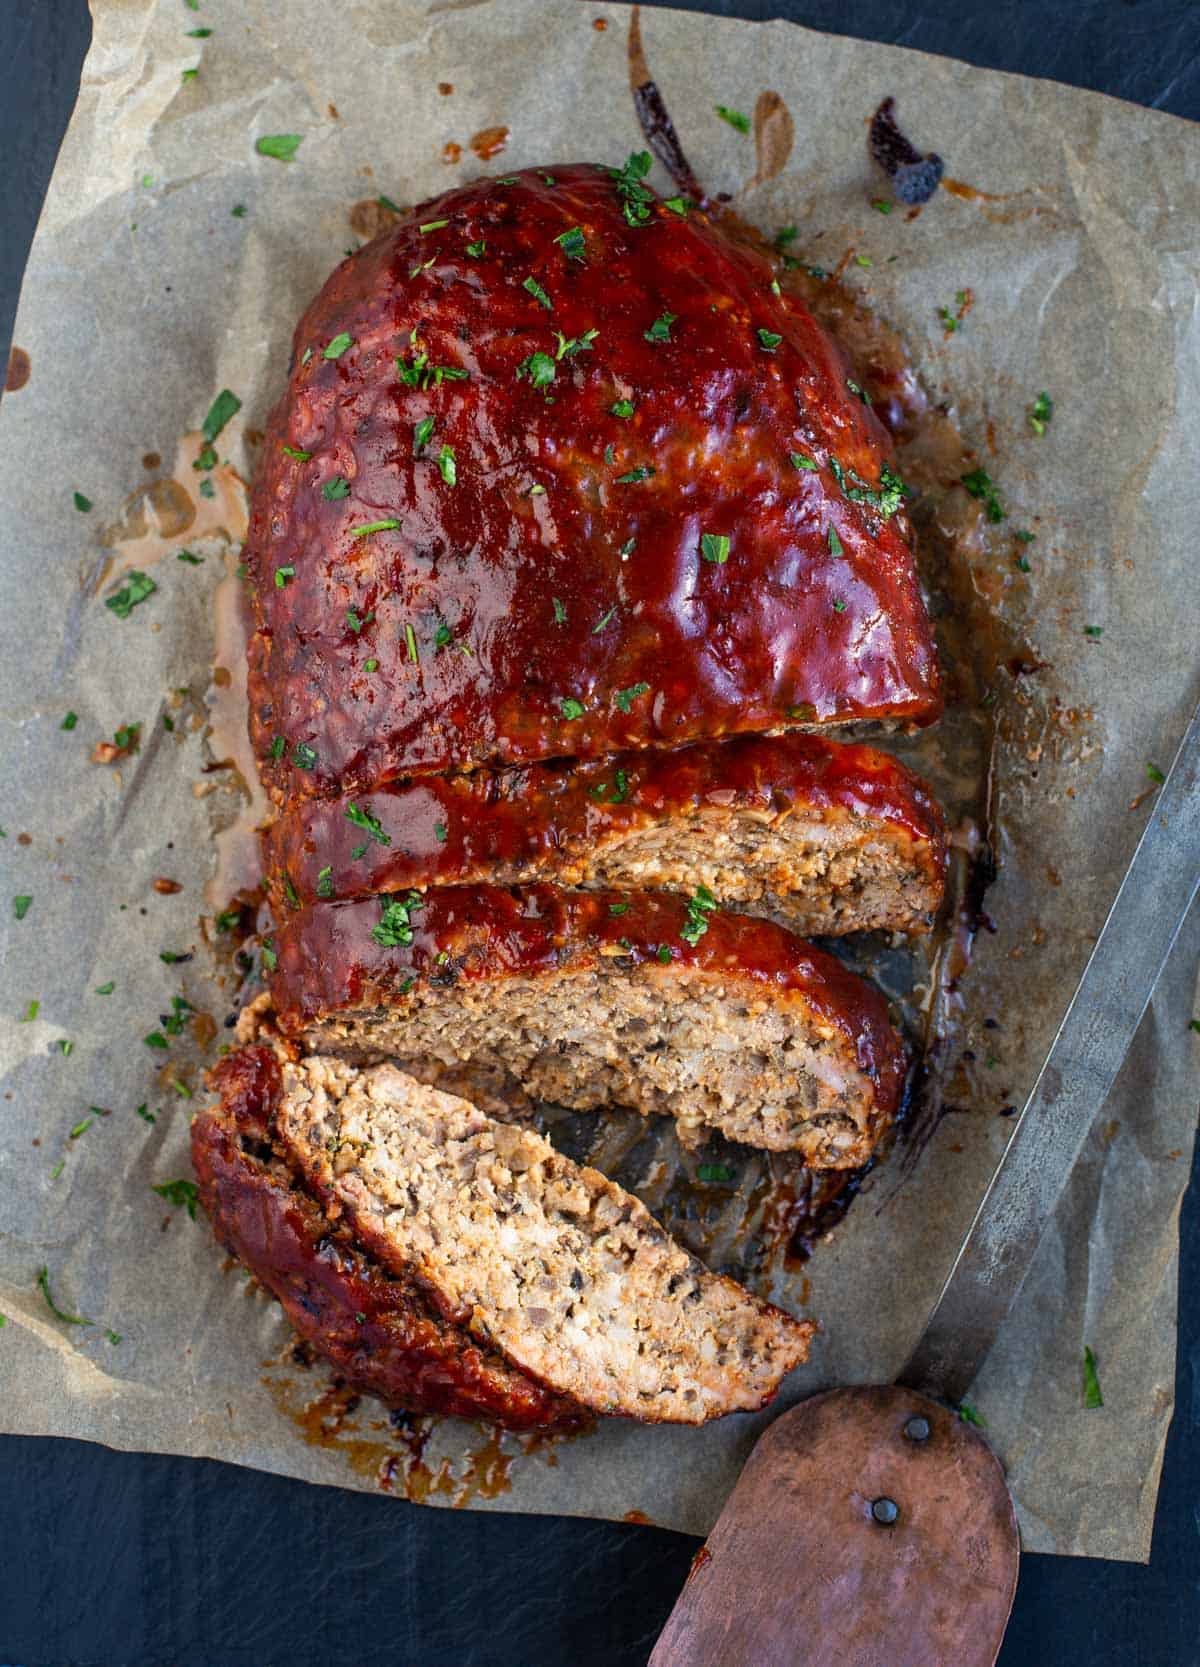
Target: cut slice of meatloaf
720, 1020
383, 1332
824, 836
560, 1269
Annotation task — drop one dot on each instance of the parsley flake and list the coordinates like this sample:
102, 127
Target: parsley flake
368, 823
81, 503
835, 543
43, 1285
225, 406
476, 250
182, 1194
1041, 413
422, 433
735, 118
769, 339
1092, 1398
339, 344
979, 484
622, 408
296, 452
21, 907
447, 465
432, 226
571, 708
642, 472
700, 906
303, 756
535, 289
282, 575
799, 461
626, 697
709, 1172
394, 929
1095, 632
325, 882
714, 547
69, 722
338, 487
636, 199
539, 368
281, 146
572, 243
660, 330
374, 527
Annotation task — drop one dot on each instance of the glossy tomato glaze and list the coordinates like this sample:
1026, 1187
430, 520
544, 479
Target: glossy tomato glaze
382, 1334
512, 825
329, 963
529, 602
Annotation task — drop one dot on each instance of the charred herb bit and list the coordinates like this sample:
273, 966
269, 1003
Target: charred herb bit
700, 906
799, 461
835, 543
303, 756
709, 1172
535, 289
69, 721
660, 330
368, 823
637, 200
714, 547
560, 612
969, 1416
539, 368
422, 433
979, 484
914, 177
182, 1194
325, 882
769, 340
573, 243
81, 503
642, 472
735, 118
389, 525
626, 697
1040, 414
1092, 1398
621, 408
571, 708
43, 1285
137, 587
223, 408
21, 907
447, 466
338, 487
281, 146
394, 929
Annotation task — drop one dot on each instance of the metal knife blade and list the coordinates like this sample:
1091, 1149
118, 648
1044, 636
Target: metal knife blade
1080, 1069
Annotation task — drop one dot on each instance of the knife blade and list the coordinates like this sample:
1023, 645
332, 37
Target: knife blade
1159, 887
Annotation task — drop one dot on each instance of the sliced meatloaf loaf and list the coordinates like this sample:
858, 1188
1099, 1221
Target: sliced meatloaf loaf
825, 836
720, 1020
558, 473
564, 1273
384, 1331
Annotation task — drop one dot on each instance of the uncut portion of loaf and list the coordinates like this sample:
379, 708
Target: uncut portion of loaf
720, 1020
825, 836
564, 1272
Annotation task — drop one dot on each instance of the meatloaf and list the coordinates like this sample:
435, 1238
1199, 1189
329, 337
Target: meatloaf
720, 1020
384, 1332
560, 1269
558, 472
822, 835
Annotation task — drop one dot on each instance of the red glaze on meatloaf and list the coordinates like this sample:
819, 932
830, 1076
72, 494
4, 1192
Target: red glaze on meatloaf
556, 821
383, 1334
542, 483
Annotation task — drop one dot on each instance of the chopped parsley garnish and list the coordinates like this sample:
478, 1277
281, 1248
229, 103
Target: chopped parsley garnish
386, 202
615, 793
282, 146
304, 757
678, 205
769, 339
626, 697
622, 408
69, 722
863, 260
296, 452
338, 487
618, 908
325, 882
421, 374
282, 575
43, 1285
664, 953
636, 199
950, 321
476, 250
208, 457
857, 388
839, 607
105, 989
238, 211
137, 587
410, 642
394, 929
447, 465
735, 118
269, 958
969, 1416
572, 708
440, 833
713, 1172
1041, 413
535, 289
560, 612
356, 621
660, 330
835, 543
172, 957
370, 665
1092, 1398
642, 472
572, 243
225, 406
881, 205
30, 1013
978, 483
568, 346
81, 503
714, 547
21, 907
339, 344
368, 823
156, 1040
432, 226
786, 235
207, 489
610, 453
182, 1194
190, 557
443, 636
1093, 631
65, 1046
374, 527
799, 461
1155, 774
422, 433
539, 368
700, 906
278, 747
603, 621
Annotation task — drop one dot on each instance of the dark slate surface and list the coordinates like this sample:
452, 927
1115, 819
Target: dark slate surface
119, 1560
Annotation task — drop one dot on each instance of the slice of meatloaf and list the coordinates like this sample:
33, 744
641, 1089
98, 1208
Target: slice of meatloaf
558, 1268
549, 479
824, 836
720, 1020
384, 1332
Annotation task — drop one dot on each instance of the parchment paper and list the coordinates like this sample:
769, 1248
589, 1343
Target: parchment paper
146, 294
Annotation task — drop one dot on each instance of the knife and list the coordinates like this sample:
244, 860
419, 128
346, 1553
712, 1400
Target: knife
872, 1527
